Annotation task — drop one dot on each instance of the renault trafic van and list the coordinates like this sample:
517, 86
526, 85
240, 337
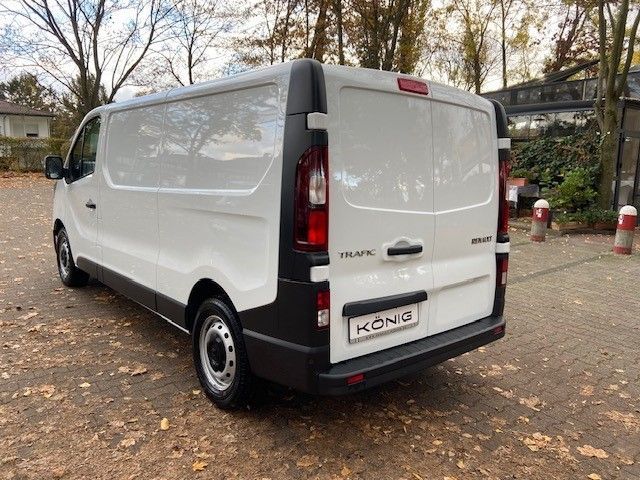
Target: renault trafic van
323, 227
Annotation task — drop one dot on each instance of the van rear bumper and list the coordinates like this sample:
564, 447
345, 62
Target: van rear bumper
306, 368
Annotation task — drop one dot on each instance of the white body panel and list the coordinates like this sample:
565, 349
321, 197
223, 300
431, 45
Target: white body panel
188, 186
219, 194
414, 168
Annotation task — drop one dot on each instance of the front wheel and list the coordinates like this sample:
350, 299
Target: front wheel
69, 273
220, 356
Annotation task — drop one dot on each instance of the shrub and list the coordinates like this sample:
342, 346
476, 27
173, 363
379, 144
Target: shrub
600, 215
576, 192
549, 160
27, 154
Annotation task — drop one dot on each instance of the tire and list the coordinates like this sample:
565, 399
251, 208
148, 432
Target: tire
69, 273
220, 356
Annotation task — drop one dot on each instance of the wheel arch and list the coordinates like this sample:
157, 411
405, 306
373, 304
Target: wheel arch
203, 289
57, 226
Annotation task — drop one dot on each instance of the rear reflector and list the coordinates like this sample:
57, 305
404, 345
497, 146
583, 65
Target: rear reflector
502, 266
413, 86
322, 307
355, 379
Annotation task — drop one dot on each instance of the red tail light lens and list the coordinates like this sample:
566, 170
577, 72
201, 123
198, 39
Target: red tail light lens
311, 210
503, 210
322, 306
502, 267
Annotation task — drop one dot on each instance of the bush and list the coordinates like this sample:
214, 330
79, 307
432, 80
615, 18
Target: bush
600, 215
547, 161
576, 192
27, 154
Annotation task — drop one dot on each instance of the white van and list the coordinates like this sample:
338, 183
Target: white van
326, 228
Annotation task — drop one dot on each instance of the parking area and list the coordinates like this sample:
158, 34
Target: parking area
87, 377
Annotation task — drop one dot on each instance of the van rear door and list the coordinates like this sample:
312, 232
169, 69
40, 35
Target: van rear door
398, 202
381, 220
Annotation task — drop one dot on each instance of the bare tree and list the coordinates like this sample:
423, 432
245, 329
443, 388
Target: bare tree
80, 44
617, 37
474, 19
195, 28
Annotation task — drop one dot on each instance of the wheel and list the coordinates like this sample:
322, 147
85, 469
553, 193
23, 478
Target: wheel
220, 356
70, 274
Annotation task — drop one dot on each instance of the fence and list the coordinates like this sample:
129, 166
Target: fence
27, 154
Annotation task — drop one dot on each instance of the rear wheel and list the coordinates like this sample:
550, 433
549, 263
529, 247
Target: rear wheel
220, 356
69, 273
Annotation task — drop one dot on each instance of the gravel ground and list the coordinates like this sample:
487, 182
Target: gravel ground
87, 377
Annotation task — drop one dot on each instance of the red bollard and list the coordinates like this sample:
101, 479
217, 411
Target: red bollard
625, 230
539, 221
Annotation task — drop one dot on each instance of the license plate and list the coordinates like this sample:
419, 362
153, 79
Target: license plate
381, 323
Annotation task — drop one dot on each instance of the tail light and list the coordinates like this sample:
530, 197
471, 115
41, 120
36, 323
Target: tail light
322, 306
502, 267
503, 210
311, 227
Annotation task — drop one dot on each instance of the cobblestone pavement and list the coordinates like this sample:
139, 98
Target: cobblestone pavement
86, 377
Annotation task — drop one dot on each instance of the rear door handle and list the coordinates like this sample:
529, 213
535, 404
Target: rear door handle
90, 204
404, 250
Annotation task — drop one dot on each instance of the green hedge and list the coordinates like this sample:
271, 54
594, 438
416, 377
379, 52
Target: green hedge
27, 154
547, 161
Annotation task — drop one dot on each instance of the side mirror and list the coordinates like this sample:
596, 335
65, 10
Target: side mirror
53, 168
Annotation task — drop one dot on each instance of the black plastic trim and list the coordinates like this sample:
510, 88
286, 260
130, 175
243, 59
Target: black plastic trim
292, 317
307, 91
171, 309
386, 365
363, 307
408, 250
86, 266
139, 293
145, 296
283, 362
501, 119
307, 368
307, 94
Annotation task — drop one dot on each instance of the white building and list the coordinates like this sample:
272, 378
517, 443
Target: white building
19, 121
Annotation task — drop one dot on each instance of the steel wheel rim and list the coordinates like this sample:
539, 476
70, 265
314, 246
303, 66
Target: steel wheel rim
217, 353
64, 258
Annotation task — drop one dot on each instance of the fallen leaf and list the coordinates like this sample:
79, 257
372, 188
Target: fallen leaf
28, 316
537, 441
345, 472
164, 424
460, 464
589, 451
437, 442
199, 465
532, 402
307, 461
124, 369
138, 371
594, 476
84, 385
47, 390
587, 390
128, 442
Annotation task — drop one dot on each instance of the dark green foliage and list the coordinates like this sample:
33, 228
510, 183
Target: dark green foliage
548, 160
576, 192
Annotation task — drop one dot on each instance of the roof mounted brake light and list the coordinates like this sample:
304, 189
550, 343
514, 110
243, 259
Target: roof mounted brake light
413, 86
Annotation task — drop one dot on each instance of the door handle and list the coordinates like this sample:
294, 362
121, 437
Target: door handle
404, 250
90, 204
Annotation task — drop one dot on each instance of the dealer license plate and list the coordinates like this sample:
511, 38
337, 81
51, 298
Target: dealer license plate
381, 323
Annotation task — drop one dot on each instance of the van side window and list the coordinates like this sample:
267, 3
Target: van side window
82, 160
90, 146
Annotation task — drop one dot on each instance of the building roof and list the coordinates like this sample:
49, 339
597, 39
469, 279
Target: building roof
8, 108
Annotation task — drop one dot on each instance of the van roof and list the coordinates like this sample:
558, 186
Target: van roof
439, 91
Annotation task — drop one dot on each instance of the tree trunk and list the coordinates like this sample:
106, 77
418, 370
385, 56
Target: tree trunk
338, 7
608, 155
